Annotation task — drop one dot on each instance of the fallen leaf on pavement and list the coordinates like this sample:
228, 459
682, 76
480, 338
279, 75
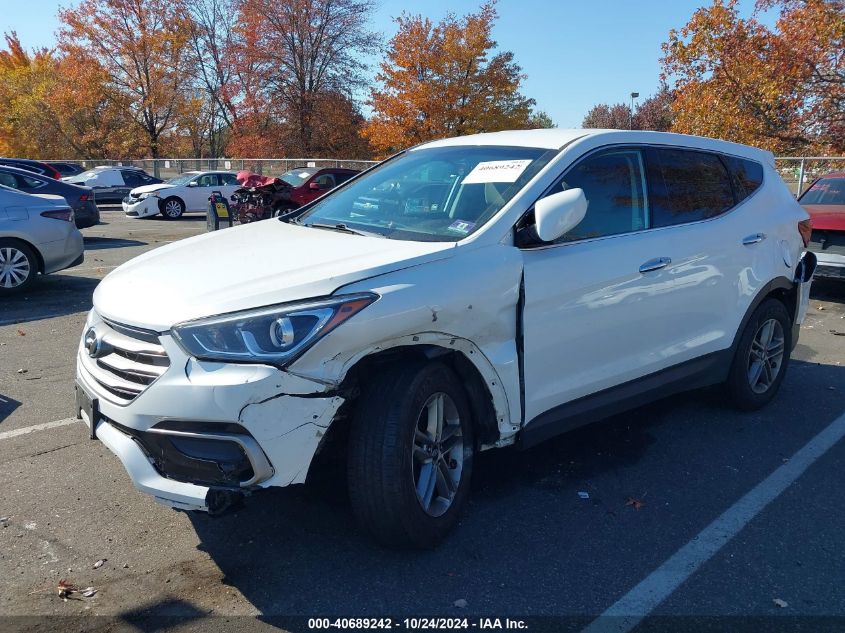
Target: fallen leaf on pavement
99, 563
635, 503
65, 589
90, 592
21, 332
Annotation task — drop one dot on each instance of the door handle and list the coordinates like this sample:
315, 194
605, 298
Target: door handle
753, 239
655, 264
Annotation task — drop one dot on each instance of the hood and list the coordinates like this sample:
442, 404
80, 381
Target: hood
249, 266
829, 217
137, 191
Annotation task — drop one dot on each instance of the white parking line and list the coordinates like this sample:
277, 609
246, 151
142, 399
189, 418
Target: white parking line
631, 608
37, 427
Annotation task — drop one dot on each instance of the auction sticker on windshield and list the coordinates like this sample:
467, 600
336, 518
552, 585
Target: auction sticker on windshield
496, 171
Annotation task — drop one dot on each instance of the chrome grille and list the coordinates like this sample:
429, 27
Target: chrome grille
130, 361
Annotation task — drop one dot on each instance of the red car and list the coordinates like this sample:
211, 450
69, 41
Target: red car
309, 183
825, 202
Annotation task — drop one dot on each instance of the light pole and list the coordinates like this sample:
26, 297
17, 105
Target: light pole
634, 95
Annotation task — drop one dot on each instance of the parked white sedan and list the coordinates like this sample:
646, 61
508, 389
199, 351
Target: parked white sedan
186, 193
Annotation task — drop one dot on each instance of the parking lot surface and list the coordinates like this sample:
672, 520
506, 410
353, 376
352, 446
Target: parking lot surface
569, 528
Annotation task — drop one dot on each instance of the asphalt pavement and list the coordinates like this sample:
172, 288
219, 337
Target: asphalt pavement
660, 481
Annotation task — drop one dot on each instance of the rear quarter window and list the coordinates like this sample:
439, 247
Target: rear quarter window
747, 176
686, 186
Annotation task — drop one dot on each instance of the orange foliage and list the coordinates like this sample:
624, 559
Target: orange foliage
443, 80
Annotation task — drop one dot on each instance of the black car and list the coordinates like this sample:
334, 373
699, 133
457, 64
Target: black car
113, 184
80, 199
66, 169
36, 167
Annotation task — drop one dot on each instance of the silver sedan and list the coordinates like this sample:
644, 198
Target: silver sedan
37, 235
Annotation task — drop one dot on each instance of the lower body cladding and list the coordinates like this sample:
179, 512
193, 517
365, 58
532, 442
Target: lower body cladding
205, 434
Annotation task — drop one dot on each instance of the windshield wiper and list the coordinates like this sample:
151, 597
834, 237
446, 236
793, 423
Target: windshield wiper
342, 228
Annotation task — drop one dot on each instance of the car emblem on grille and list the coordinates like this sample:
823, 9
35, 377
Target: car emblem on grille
93, 343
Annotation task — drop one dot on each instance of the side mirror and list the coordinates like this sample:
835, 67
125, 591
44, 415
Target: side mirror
314, 186
193, 183
559, 213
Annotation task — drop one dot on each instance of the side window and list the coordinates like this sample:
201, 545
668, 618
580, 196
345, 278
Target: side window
686, 186
614, 185
747, 176
326, 181
342, 178
229, 179
9, 180
29, 184
132, 179
207, 180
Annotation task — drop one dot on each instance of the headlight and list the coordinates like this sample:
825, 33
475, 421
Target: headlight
145, 195
273, 335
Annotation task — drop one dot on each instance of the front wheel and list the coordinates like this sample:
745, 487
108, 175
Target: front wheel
761, 357
410, 455
172, 208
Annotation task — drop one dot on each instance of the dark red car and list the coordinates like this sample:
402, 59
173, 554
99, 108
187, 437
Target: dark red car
825, 202
309, 183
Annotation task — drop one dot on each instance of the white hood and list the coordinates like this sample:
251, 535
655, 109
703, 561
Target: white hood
137, 191
250, 266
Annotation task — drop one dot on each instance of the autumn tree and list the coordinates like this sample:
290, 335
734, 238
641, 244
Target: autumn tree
59, 107
606, 117
142, 46
300, 53
212, 66
540, 120
445, 79
781, 89
655, 112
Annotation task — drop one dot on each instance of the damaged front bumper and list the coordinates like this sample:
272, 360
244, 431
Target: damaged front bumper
199, 430
140, 208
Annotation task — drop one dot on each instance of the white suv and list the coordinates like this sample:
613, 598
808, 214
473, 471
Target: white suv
467, 294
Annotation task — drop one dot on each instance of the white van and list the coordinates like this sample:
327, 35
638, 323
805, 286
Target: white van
466, 294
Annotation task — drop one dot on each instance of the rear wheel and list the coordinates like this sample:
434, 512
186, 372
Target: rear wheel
172, 208
410, 455
18, 266
761, 357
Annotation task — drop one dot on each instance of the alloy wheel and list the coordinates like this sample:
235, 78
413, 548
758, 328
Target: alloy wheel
173, 208
15, 268
438, 454
765, 358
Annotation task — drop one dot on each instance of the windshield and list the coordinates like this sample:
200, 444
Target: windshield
88, 174
297, 177
825, 191
434, 194
181, 180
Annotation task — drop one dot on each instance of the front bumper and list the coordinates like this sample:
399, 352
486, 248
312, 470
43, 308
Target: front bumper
141, 208
283, 419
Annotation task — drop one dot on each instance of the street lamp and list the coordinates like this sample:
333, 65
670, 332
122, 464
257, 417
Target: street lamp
634, 95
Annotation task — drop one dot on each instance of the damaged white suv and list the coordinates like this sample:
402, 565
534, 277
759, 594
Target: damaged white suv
466, 294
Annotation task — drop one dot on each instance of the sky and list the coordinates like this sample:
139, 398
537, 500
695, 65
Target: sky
575, 53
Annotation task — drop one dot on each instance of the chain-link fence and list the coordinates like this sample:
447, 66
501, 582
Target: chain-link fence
170, 167
799, 171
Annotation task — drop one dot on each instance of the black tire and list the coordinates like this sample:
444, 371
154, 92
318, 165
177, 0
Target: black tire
743, 393
18, 267
381, 467
171, 208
